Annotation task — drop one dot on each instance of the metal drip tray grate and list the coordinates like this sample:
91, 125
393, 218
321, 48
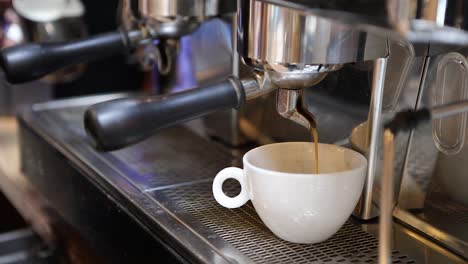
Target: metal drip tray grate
456, 210
244, 230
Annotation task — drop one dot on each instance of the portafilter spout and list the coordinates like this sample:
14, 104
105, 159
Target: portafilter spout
291, 82
290, 105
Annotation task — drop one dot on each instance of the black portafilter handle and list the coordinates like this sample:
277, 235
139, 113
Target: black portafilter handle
27, 62
121, 122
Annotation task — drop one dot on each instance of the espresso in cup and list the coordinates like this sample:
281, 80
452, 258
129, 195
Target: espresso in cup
294, 202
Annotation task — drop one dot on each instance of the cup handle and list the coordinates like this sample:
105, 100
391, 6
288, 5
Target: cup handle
223, 199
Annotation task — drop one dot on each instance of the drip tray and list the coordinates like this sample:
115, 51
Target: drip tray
243, 229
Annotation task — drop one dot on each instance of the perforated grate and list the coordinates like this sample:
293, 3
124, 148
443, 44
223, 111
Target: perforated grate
244, 230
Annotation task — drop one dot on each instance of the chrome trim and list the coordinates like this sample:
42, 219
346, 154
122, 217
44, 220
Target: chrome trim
364, 210
453, 242
272, 34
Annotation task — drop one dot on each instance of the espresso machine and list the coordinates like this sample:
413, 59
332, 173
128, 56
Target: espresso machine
343, 68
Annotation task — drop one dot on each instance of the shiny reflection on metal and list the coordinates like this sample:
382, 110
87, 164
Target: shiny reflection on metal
146, 170
162, 18
237, 85
433, 12
212, 62
272, 34
257, 86
77, 102
64, 29
169, 19
386, 198
398, 14
364, 208
126, 15
219, 7
61, 30
25, 22
293, 77
265, 81
420, 163
162, 10
423, 249
174, 28
400, 60
213, 58
289, 105
413, 20
14, 30
15, 235
162, 55
452, 85
421, 224
135, 37
372, 12
447, 110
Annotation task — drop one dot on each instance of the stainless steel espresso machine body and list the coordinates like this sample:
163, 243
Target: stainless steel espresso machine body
294, 65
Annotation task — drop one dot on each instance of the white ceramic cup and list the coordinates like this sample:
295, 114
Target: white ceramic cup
293, 202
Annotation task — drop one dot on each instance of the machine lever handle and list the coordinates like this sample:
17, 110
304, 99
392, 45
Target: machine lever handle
27, 62
121, 122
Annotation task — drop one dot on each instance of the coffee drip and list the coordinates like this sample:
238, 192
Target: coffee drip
315, 139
